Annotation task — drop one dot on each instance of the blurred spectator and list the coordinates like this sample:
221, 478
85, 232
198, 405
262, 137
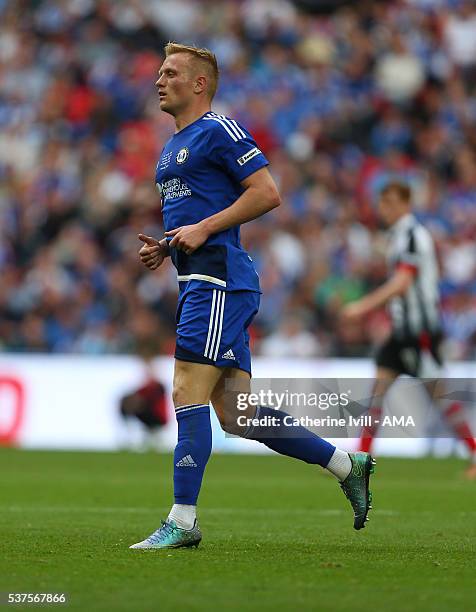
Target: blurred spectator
400, 74
339, 103
291, 339
460, 34
148, 405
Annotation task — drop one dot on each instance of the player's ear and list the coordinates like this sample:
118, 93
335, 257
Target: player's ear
200, 84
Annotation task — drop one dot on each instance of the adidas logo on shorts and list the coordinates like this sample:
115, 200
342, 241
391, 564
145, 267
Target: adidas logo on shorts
187, 461
228, 355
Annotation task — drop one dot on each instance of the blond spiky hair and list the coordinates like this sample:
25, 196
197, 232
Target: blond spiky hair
205, 57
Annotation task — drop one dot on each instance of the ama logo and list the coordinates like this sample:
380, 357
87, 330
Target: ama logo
182, 156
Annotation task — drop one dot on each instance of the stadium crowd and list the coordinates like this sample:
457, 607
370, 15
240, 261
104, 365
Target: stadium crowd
339, 104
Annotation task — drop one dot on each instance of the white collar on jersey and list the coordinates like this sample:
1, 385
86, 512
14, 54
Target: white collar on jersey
403, 223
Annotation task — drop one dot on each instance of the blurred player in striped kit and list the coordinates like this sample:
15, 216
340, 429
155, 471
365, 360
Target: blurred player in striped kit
412, 296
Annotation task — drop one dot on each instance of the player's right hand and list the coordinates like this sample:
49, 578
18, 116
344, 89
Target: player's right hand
152, 253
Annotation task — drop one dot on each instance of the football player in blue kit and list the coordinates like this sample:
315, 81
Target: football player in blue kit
212, 177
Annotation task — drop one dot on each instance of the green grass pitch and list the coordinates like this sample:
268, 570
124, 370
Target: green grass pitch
277, 535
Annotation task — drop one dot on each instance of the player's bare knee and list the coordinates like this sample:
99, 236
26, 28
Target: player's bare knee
183, 395
193, 383
179, 395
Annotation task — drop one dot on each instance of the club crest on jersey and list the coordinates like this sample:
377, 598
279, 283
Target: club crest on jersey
182, 156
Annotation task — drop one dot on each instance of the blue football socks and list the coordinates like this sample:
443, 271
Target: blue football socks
291, 440
192, 451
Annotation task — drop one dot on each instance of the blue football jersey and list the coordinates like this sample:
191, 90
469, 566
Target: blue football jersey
199, 173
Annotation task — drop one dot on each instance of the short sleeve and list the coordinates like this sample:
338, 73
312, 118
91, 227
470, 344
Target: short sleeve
410, 258
233, 148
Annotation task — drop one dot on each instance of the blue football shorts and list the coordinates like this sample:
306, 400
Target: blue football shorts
212, 327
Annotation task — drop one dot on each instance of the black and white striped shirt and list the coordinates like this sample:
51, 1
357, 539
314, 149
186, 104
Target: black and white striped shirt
411, 246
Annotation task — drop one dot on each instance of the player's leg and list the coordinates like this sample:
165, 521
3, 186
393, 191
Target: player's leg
192, 388
352, 470
384, 378
453, 412
390, 364
293, 441
199, 319
193, 385
223, 399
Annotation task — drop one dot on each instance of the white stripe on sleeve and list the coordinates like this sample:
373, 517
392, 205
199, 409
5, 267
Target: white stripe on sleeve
223, 124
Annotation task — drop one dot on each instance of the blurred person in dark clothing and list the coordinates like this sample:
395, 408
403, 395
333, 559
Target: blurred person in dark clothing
148, 405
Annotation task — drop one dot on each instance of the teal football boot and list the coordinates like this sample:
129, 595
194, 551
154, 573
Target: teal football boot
171, 536
356, 487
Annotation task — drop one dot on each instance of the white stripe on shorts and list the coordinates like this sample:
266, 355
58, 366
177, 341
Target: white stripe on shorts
215, 324
210, 324
222, 310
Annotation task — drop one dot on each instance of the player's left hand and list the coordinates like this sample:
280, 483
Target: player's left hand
188, 237
353, 312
